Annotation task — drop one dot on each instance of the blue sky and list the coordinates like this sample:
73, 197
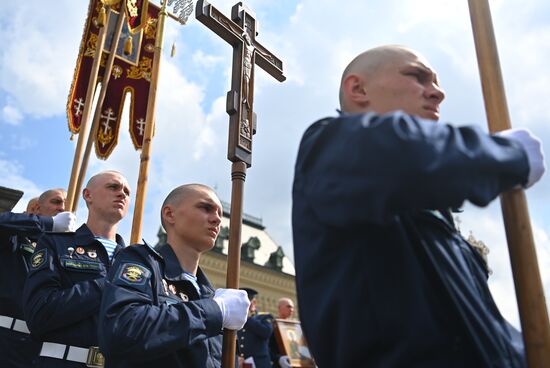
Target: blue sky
315, 39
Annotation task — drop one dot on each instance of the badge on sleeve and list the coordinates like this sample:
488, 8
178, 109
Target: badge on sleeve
133, 274
38, 259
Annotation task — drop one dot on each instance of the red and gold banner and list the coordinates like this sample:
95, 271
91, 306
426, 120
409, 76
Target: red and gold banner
130, 74
136, 13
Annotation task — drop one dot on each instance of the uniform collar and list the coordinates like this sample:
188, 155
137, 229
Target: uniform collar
84, 236
173, 270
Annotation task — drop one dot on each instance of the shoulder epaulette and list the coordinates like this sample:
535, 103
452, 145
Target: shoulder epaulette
151, 249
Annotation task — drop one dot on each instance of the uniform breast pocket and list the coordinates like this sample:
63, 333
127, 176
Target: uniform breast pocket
82, 269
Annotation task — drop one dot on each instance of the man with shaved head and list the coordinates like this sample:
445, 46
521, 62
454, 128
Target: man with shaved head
68, 273
285, 309
158, 308
19, 233
383, 276
32, 206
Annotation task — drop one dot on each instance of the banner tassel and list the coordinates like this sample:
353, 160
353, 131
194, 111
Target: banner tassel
101, 18
128, 46
173, 52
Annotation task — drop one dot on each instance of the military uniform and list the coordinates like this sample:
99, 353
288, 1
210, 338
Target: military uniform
372, 234
253, 339
153, 316
62, 296
18, 235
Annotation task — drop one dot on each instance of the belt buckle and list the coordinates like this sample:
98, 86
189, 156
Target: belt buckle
95, 358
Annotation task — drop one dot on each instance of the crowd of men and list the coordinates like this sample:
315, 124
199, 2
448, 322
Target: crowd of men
79, 297
383, 276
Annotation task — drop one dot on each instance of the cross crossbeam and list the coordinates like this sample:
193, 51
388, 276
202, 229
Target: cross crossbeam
240, 32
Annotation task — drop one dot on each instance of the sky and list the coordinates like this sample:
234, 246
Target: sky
315, 39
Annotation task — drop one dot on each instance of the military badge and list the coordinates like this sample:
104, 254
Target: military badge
133, 274
184, 297
39, 258
172, 288
80, 250
165, 286
92, 254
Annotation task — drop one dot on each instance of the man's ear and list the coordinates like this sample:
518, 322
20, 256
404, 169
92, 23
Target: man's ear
168, 214
355, 90
86, 194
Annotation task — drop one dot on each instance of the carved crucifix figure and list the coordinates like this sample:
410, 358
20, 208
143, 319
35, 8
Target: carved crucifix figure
240, 31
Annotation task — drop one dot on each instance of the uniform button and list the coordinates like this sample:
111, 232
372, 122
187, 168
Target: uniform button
242, 346
242, 337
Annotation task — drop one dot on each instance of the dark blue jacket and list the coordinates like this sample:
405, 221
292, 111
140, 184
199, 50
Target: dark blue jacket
151, 316
253, 339
63, 289
19, 233
382, 278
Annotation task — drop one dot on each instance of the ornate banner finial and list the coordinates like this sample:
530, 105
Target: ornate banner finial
182, 9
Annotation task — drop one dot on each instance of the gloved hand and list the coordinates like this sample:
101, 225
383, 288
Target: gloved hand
284, 361
64, 221
234, 306
533, 147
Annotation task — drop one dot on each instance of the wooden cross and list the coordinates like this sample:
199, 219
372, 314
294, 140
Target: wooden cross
240, 32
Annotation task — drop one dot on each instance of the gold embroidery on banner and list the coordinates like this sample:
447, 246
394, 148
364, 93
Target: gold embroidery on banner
151, 28
91, 45
143, 70
150, 47
117, 71
103, 60
105, 139
132, 7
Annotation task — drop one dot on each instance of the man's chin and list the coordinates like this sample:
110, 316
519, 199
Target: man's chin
430, 115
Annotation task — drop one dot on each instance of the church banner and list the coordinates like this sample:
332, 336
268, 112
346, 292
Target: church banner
130, 74
136, 13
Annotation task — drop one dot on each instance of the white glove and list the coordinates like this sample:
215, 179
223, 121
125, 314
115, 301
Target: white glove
234, 306
284, 362
533, 147
64, 221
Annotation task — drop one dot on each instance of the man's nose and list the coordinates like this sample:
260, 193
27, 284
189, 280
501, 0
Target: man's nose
435, 92
216, 218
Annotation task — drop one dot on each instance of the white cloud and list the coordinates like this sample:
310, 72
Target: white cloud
37, 61
207, 61
12, 176
11, 115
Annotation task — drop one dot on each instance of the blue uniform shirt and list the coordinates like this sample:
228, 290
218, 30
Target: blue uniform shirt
152, 315
19, 233
63, 289
381, 280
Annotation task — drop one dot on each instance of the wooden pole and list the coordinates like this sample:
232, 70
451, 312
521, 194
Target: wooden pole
523, 257
71, 197
97, 113
149, 129
238, 176
240, 32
